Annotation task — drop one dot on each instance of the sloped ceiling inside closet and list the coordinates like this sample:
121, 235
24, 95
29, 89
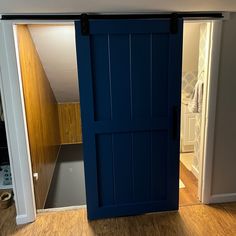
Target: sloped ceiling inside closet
57, 51
72, 6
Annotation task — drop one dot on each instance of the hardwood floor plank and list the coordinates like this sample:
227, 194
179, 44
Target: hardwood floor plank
188, 195
189, 220
217, 219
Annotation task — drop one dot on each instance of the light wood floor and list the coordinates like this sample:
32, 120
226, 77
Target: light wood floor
188, 195
189, 220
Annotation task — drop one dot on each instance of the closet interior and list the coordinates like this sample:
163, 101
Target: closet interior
47, 58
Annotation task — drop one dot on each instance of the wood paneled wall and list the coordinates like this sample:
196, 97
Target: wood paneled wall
41, 113
70, 123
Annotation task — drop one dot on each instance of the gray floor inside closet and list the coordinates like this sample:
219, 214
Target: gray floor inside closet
68, 184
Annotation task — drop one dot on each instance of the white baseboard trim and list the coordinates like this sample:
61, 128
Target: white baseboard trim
195, 171
220, 198
69, 208
23, 219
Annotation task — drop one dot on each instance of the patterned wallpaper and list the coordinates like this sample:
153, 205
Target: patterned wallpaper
202, 72
189, 80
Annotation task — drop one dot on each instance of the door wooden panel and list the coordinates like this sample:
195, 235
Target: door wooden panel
130, 81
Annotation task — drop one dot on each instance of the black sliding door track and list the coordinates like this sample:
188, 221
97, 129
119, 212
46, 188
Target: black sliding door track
190, 15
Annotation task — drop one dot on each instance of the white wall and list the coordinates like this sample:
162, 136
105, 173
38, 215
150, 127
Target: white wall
191, 46
61, 6
1, 110
190, 57
224, 166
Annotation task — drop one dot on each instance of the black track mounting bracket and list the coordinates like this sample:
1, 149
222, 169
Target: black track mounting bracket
174, 23
84, 21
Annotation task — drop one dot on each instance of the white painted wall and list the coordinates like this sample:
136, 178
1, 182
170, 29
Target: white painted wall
191, 46
1, 110
62, 6
224, 164
56, 48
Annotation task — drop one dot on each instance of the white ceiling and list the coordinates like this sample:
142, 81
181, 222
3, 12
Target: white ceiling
72, 6
56, 49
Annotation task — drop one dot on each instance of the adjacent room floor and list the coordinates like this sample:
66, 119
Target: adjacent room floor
188, 192
68, 184
187, 159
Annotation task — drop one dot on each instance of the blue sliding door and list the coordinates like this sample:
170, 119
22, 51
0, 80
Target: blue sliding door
130, 84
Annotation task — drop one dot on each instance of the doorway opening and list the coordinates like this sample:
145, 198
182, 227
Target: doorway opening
194, 99
14, 88
48, 66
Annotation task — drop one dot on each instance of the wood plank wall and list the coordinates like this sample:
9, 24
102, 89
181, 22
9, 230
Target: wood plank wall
70, 123
41, 113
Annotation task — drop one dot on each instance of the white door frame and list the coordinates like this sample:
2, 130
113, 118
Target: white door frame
208, 115
16, 127
15, 119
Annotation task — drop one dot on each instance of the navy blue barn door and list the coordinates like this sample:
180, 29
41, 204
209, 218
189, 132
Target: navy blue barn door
130, 81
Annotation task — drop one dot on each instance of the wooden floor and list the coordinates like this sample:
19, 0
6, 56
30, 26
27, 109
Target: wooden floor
189, 220
188, 195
